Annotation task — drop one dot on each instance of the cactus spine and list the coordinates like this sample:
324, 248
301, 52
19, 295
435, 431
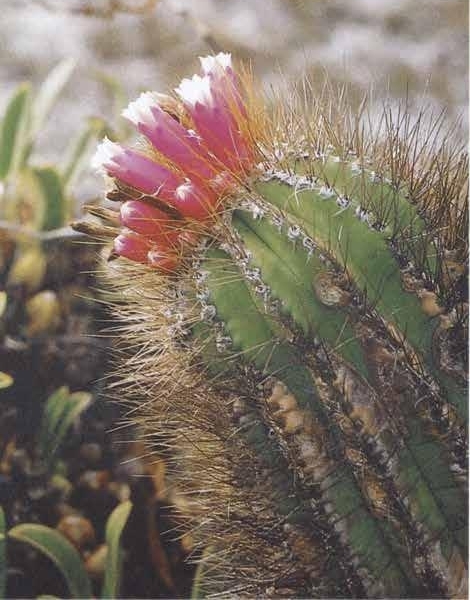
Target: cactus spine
304, 365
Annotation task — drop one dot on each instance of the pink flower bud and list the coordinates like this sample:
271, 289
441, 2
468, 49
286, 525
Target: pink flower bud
193, 202
135, 169
216, 106
224, 81
192, 170
165, 262
143, 218
169, 137
132, 246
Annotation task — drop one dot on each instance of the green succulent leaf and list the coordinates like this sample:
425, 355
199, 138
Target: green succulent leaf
60, 551
48, 94
113, 570
60, 412
53, 202
118, 96
14, 128
54, 409
78, 152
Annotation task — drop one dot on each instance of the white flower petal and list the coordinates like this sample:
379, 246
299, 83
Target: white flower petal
105, 154
210, 64
184, 190
195, 90
140, 111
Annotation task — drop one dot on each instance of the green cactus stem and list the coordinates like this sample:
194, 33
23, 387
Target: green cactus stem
301, 357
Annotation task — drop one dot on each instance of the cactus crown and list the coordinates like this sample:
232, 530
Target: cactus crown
296, 334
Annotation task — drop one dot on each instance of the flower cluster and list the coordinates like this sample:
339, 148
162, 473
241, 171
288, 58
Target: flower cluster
198, 152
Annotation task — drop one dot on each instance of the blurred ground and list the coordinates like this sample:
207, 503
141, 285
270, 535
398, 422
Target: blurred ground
402, 44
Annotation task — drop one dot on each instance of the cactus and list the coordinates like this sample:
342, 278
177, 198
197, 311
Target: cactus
293, 331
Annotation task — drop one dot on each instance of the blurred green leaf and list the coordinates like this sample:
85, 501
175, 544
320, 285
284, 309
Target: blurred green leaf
14, 129
78, 152
114, 528
53, 203
3, 555
115, 90
42, 191
74, 406
56, 547
50, 419
60, 412
48, 94
5, 380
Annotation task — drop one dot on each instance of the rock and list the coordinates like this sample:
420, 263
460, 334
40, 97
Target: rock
122, 491
78, 530
44, 313
20, 462
91, 453
65, 510
95, 480
28, 269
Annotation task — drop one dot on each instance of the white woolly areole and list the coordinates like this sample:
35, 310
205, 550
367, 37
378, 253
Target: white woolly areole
210, 64
184, 190
140, 110
196, 89
105, 154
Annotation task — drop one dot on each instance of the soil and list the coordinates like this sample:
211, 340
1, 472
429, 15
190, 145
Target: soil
100, 463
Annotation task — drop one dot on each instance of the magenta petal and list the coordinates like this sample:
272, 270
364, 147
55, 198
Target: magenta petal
177, 144
169, 137
161, 260
143, 218
225, 86
135, 169
219, 130
132, 246
215, 105
145, 174
193, 202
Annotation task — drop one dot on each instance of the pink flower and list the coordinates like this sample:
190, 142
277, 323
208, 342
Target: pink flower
190, 169
193, 202
169, 137
160, 260
225, 80
150, 222
132, 246
136, 170
215, 105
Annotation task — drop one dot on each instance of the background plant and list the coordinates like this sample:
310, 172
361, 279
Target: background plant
66, 558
